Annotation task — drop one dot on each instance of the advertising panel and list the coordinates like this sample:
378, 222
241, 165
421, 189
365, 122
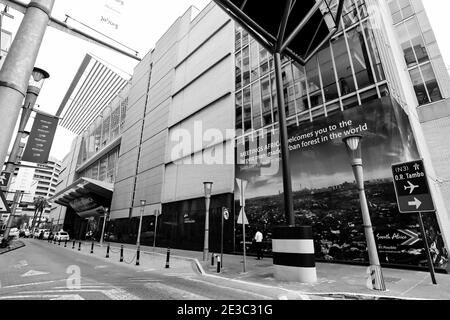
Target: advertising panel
324, 189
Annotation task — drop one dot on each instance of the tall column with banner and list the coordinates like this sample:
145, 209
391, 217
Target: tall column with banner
41, 139
414, 196
242, 219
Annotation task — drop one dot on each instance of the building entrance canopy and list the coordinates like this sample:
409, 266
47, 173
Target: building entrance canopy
297, 28
88, 197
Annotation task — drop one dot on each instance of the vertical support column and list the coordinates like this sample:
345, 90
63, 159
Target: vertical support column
287, 182
18, 66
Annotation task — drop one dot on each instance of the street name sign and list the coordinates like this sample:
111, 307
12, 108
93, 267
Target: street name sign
411, 187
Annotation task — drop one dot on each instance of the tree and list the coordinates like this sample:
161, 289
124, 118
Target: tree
40, 203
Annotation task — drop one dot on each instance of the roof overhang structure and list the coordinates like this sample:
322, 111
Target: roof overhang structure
88, 197
296, 28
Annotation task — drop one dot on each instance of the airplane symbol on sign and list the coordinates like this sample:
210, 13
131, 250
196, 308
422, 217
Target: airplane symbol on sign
2, 179
411, 187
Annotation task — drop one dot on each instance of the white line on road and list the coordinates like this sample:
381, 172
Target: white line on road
49, 297
113, 294
33, 284
234, 289
176, 293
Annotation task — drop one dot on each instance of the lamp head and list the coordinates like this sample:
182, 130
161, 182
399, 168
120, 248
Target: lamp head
208, 188
143, 202
353, 144
37, 80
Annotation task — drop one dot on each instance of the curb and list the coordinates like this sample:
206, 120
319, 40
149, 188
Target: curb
16, 248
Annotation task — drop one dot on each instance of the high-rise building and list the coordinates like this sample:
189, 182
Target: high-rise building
202, 107
431, 81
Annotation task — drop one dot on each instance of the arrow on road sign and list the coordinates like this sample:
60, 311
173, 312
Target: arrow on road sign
414, 237
417, 203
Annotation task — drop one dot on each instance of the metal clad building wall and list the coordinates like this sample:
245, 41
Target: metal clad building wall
149, 185
152, 153
156, 120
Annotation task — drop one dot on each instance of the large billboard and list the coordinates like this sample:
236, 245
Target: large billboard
324, 190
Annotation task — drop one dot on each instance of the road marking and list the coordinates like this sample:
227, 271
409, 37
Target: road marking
21, 264
33, 284
113, 294
231, 288
178, 294
101, 267
50, 297
33, 273
119, 294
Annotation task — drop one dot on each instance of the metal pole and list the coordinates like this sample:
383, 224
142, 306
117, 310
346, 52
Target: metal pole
14, 156
16, 71
138, 242
16, 201
368, 229
154, 233
221, 239
287, 182
105, 217
427, 249
206, 242
243, 226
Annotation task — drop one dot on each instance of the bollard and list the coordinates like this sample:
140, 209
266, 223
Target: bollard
218, 264
121, 253
92, 248
107, 251
54, 240
168, 258
212, 259
65, 244
59, 242
79, 246
138, 254
73, 246
293, 254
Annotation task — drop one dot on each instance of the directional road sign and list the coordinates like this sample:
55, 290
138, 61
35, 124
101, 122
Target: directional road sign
411, 187
4, 179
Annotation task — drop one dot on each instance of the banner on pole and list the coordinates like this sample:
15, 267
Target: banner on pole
41, 139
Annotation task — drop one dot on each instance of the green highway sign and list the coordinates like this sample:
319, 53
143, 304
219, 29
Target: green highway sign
411, 187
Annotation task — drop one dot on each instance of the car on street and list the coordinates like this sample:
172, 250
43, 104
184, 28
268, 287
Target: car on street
62, 236
24, 233
14, 232
47, 235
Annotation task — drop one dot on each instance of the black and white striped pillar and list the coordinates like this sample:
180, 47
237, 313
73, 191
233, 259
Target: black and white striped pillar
293, 254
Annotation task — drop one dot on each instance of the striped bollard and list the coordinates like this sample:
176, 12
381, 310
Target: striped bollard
218, 264
138, 255
79, 246
293, 254
107, 251
65, 244
168, 259
59, 242
92, 248
73, 245
121, 253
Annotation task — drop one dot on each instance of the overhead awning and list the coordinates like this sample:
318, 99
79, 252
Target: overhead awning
297, 28
88, 197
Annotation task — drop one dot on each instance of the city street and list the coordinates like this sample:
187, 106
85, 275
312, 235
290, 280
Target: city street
43, 271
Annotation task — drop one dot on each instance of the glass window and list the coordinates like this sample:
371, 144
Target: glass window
431, 83
247, 105
254, 60
328, 77
344, 70
123, 112
289, 90
360, 58
106, 126
256, 106
239, 110
238, 38
264, 61
266, 101
301, 93
419, 86
115, 122
246, 66
312, 74
374, 53
238, 70
103, 169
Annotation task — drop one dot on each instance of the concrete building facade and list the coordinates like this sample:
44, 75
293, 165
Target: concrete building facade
207, 90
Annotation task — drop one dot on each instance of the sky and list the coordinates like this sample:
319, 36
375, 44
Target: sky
140, 24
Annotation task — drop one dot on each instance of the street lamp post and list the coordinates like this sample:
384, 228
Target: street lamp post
208, 190
18, 67
35, 84
157, 212
353, 144
138, 242
105, 218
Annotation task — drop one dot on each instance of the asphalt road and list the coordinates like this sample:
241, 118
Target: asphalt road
41, 271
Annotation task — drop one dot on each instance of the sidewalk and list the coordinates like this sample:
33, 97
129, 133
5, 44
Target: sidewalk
334, 280
14, 245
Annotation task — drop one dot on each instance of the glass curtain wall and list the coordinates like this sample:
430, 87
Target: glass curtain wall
344, 74
415, 51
